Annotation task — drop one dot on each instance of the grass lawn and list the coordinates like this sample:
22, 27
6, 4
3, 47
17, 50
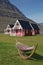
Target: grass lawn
9, 54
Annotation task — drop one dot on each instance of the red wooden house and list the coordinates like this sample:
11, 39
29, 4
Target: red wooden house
22, 28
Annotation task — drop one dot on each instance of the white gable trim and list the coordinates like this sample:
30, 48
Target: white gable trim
20, 27
31, 26
8, 27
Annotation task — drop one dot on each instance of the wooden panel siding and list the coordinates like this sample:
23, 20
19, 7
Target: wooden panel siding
36, 31
19, 32
28, 32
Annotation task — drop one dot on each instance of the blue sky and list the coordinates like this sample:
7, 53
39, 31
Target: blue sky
32, 9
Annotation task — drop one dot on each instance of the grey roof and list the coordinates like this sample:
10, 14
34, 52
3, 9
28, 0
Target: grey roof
35, 26
25, 24
11, 25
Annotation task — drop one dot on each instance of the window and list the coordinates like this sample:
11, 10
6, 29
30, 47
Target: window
17, 24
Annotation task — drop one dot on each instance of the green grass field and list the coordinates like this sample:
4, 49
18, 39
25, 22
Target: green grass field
9, 54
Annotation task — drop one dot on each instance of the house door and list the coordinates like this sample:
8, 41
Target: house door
16, 30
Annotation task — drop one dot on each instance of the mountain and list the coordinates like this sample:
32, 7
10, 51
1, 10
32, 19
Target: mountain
9, 10
9, 13
41, 24
40, 27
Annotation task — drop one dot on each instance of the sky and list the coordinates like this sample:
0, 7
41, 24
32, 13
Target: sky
32, 9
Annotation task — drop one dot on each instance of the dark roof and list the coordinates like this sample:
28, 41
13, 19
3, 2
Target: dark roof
11, 25
35, 26
25, 24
